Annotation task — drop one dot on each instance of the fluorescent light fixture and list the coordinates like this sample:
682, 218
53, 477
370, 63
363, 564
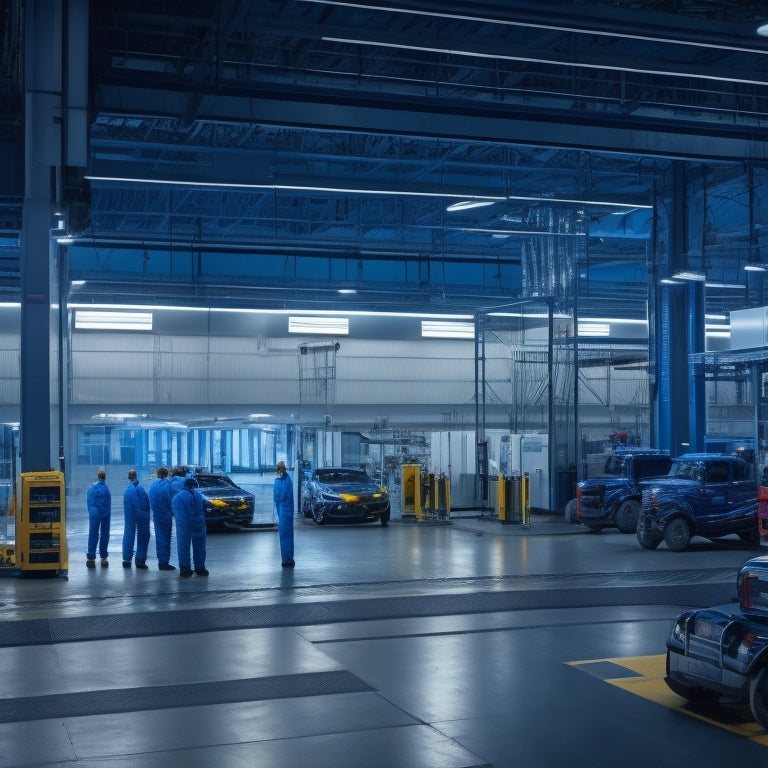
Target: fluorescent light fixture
357, 191
755, 268
65, 240
465, 205
594, 329
77, 283
436, 329
347, 291
330, 326
526, 232
539, 25
496, 56
117, 416
113, 321
762, 30
669, 281
694, 276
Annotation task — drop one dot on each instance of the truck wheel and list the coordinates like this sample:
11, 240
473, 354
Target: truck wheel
571, 508
648, 538
627, 515
753, 537
758, 697
677, 535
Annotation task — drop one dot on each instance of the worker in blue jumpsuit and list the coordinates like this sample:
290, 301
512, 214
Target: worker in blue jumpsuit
190, 529
99, 501
282, 495
136, 529
162, 516
178, 476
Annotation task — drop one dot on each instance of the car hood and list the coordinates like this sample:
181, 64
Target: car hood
218, 493
356, 489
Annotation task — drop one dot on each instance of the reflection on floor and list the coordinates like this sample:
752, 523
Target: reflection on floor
406, 646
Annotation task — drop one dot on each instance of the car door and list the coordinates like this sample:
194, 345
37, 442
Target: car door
742, 497
711, 503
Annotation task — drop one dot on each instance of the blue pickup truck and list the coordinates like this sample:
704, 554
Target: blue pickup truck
613, 497
704, 494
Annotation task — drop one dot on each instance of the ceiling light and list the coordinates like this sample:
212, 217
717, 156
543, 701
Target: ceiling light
534, 25
755, 267
465, 205
432, 329
488, 199
332, 326
763, 30
685, 275
594, 329
113, 321
347, 290
533, 60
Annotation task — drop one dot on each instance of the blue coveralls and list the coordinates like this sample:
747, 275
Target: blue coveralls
136, 510
162, 515
176, 484
99, 501
190, 528
282, 495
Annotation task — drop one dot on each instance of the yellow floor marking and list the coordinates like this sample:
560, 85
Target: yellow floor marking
650, 685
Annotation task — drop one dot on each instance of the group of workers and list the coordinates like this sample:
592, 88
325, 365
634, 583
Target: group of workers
168, 500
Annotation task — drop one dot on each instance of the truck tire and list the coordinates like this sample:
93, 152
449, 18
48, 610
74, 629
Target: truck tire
647, 536
758, 697
627, 516
677, 535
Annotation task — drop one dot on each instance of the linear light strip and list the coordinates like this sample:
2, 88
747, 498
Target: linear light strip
431, 329
533, 60
336, 326
114, 321
539, 25
341, 190
245, 310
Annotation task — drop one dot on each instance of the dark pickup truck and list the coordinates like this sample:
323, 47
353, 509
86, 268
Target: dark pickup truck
613, 499
704, 494
720, 654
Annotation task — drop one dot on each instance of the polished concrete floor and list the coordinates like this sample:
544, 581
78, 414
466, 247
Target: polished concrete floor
423, 645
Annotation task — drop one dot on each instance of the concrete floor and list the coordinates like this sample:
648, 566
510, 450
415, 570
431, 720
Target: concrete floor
413, 645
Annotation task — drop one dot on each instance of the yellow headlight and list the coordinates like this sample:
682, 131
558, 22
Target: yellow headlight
218, 503
349, 497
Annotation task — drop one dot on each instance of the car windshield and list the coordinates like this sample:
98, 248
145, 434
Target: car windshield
687, 470
333, 476
214, 481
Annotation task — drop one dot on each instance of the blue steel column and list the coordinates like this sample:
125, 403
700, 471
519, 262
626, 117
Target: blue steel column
695, 341
672, 411
55, 134
42, 159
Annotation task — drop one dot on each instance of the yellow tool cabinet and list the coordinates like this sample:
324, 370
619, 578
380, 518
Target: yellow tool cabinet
41, 532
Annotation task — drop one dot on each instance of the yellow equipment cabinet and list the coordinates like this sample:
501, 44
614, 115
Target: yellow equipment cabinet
411, 490
41, 532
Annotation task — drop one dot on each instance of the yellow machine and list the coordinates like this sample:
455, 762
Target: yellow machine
514, 504
411, 490
41, 531
425, 497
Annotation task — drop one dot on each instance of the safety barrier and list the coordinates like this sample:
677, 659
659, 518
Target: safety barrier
514, 504
425, 498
